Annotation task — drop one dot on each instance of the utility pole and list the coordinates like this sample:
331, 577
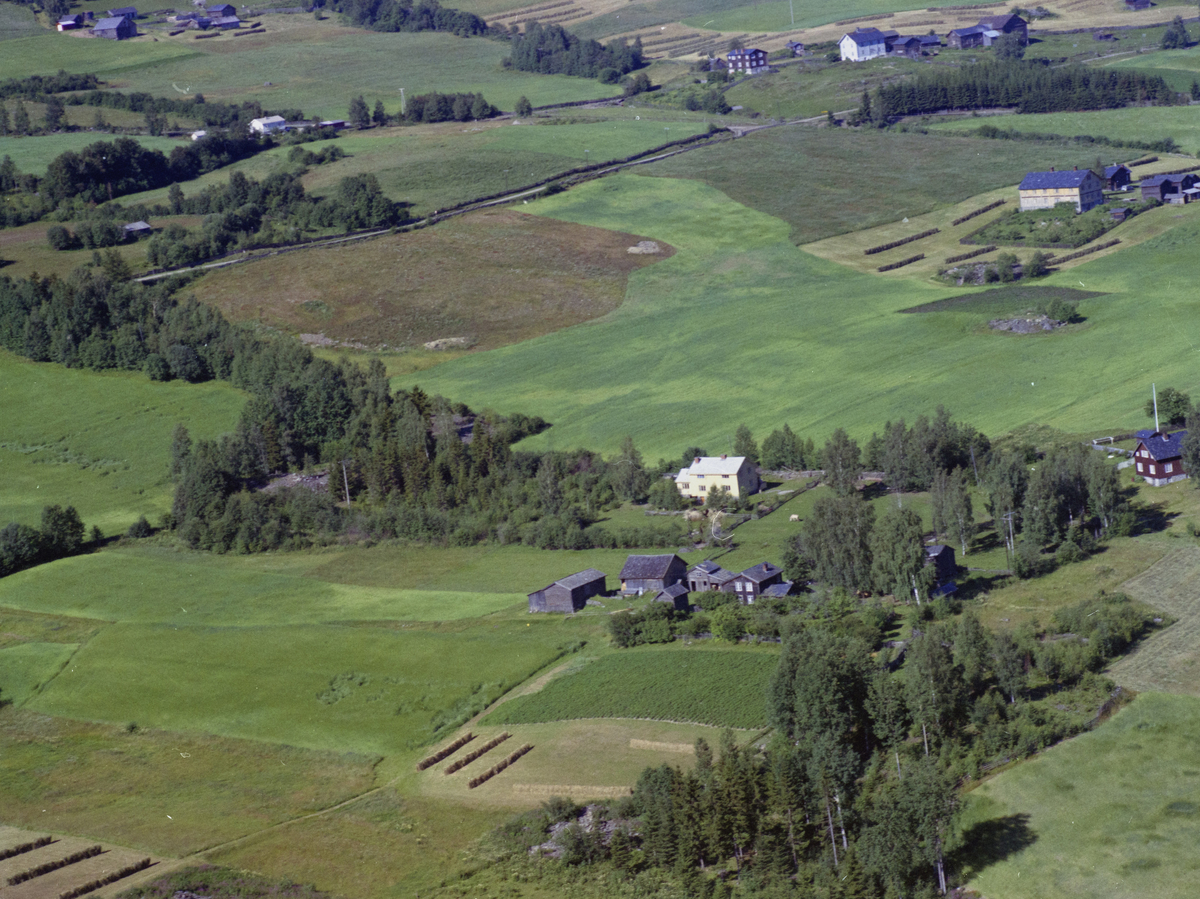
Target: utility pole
1154, 394
401, 101
346, 482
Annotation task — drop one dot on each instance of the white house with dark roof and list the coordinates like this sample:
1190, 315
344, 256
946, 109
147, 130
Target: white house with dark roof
1159, 457
862, 44
268, 124
734, 474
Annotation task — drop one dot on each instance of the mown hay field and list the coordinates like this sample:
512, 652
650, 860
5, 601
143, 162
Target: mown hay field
1126, 829
520, 276
45, 52
33, 154
98, 441
1168, 660
724, 688
1135, 123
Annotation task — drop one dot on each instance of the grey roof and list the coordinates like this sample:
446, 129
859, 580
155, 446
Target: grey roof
1143, 434
138, 226
1155, 180
761, 572
714, 572
226, 20
1001, 21
579, 578
783, 589
932, 552
1051, 180
114, 22
864, 36
647, 566
1111, 170
929, 39
963, 32
674, 591
748, 51
1165, 446
71, 20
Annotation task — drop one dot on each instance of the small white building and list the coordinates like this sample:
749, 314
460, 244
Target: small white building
734, 474
199, 135
862, 44
268, 124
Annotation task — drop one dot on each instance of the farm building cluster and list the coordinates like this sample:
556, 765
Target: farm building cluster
119, 24
668, 579
870, 43
1084, 189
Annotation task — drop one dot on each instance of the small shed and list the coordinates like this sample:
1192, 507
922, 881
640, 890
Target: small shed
650, 574
1117, 177
569, 594
70, 23
966, 38
1119, 213
134, 230
941, 558
677, 595
778, 591
796, 47
127, 11
708, 575
117, 28
907, 46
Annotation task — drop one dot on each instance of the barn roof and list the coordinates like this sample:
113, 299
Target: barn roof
761, 572
964, 32
674, 591
715, 465
114, 22
1000, 22
783, 589
865, 38
1051, 180
579, 578
1164, 446
226, 20
638, 567
1111, 170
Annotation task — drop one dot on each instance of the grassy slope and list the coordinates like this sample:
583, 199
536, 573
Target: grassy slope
1178, 67
47, 52
17, 21
1135, 123
1126, 828
319, 67
756, 331
815, 88
98, 441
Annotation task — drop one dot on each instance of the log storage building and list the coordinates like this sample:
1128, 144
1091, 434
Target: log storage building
569, 594
651, 574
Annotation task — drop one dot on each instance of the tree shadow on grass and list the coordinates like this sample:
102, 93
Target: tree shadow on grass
988, 842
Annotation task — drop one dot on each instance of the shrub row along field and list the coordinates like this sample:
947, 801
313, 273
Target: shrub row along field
92, 885
431, 760
478, 753
26, 847
31, 873
498, 767
720, 688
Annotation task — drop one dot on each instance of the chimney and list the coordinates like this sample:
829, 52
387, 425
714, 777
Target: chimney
1052, 168
723, 456
697, 462
1077, 168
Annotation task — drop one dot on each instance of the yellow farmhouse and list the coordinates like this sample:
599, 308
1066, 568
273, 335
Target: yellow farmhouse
732, 473
1045, 190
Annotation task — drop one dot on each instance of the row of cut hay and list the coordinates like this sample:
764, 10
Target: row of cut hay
26, 847
92, 886
706, 44
73, 858
482, 750
961, 8
903, 262
571, 790
498, 767
874, 18
431, 760
675, 39
884, 247
255, 31
1146, 161
531, 10
1058, 260
980, 211
971, 255
569, 16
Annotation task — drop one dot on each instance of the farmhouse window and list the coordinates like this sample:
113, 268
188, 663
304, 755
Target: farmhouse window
1153, 470
1139, 466
725, 476
1170, 467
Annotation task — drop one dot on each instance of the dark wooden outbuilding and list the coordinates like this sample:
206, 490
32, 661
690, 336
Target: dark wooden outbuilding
965, 38
570, 594
651, 574
1007, 23
677, 595
117, 28
1167, 188
941, 558
1117, 177
708, 575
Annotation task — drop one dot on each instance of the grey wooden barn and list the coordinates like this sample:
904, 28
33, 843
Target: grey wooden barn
650, 574
569, 594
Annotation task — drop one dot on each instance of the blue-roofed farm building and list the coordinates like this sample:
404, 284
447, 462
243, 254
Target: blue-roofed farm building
1046, 190
1117, 177
569, 594
1159, 457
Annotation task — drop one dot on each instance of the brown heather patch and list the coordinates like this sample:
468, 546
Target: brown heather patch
496, 277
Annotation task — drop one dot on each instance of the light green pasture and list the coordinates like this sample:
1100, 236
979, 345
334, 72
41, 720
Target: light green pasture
49, 51
17, 21
26, 666
1178, 67
33, 154
1114, 812
1141, 123
749, 328
99, 441
360, 689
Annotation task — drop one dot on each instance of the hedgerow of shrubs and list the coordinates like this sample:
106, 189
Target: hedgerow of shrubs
970, 215
961, 257
93, 885
35, 844
31, 873
498, 767
903, 262
430, 761
478, 753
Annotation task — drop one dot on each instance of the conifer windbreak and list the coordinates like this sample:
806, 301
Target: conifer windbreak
552, 50
404, 15
1029, 86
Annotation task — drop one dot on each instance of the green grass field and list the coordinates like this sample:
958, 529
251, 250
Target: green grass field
33, 154
1178, 67
726, 688
1114, 812
815, 88
1144, 123
764, 333
17, 21
319, 66
97, 441
46, 52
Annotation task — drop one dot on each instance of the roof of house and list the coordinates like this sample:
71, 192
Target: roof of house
114, 22
579, 578
782, 589
932, 552
908, 39
761, 572
929, 39
1155, 180
674, 591
71, 20
270, 120
715, 465
964, 32
130, 11
1051, 180
1110, 170
1002, 21
226, 20
1164, 446
647, 566
747, 51
715, 572
865, 36
138, 226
